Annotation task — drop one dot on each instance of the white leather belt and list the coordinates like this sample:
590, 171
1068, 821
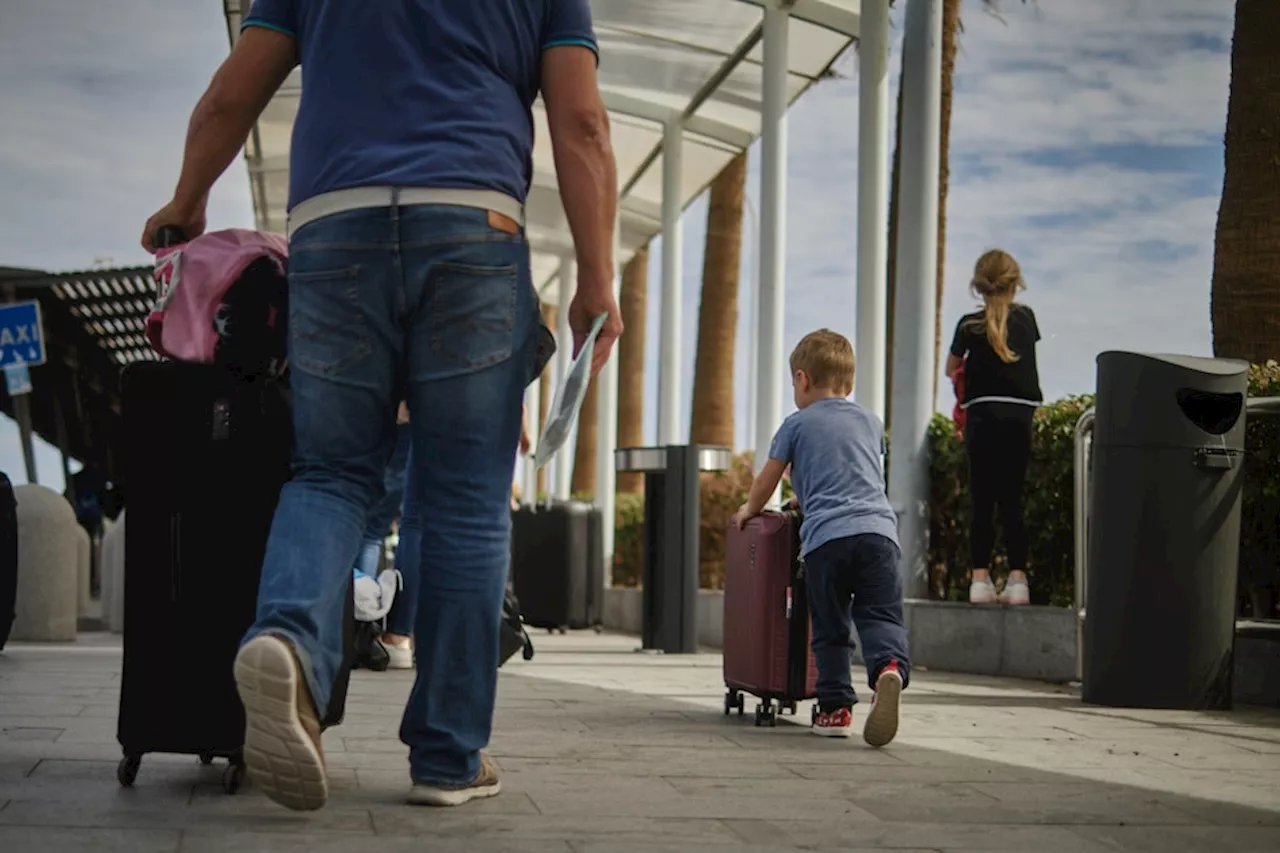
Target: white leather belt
359, 198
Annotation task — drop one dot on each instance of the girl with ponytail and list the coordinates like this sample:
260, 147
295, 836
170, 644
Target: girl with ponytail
996, 347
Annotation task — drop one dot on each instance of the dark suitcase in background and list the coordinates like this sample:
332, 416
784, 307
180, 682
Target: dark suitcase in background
557, 564
206, 456
766, 618
8, 558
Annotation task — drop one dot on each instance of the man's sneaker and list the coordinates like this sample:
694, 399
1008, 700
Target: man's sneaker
982, 592
1015, 592
282, 733
399, 655
486, 784
882, 722
837, 723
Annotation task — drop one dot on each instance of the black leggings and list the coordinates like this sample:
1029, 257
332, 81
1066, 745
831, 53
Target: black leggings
998, 439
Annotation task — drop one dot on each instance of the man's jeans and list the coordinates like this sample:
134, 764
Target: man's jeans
385, 510
854, 581
431, 303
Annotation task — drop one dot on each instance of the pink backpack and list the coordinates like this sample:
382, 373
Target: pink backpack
193, 317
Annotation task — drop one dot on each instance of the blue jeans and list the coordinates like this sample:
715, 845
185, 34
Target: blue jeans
432, 302
385, 511
854, 582
404, 609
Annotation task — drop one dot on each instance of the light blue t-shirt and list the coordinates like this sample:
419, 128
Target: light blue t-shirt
836, 452
419, 93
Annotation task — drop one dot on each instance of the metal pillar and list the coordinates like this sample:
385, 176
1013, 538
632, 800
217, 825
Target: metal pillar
770, 292
915, 286
873, 204
607, 429
670, 326
562, 465
532, 406
22, 413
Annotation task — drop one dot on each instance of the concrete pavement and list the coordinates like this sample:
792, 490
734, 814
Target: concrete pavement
604, 751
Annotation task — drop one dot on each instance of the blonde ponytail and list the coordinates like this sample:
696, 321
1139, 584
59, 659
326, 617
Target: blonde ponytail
996, 279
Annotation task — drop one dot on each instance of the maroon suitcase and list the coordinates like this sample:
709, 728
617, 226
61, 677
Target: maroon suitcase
766, 618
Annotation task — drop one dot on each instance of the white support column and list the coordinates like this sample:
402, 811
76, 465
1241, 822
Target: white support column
532, 405
607, 428
770, 298
670, 326
562, 465
873, 205
914, 288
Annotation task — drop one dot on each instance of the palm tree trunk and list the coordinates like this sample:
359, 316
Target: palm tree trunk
1245, 296
635, 288
584, 456
549, 316
950, 30
713, 410
891, 266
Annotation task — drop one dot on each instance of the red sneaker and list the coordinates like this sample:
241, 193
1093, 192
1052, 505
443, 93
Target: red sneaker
882, 722
837, 723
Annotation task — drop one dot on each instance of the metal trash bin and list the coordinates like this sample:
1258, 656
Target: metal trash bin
1164, 532
672, 497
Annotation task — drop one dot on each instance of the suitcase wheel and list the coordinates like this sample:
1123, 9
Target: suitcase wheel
206, 758
127, 770
813, 714
734, 699
791, 708
766, 715
233, 776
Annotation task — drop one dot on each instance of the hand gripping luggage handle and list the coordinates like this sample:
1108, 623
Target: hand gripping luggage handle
169, 235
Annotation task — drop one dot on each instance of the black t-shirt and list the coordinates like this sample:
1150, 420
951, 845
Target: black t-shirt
985, 373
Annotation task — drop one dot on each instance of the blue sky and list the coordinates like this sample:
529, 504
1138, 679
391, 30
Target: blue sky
1086, 139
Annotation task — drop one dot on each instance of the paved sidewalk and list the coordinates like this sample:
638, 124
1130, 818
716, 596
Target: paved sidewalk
607, 750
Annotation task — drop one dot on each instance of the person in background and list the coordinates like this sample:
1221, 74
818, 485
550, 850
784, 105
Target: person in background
997, 349
397, 639
386, 511
411, 160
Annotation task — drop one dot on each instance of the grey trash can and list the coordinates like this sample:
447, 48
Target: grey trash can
1164, 537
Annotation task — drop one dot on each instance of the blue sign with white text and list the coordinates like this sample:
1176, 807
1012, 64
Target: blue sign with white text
21, 335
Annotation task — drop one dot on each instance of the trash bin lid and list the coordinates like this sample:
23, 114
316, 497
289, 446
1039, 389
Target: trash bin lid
1168, 400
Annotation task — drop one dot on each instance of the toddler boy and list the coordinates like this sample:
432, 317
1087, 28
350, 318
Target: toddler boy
849, 536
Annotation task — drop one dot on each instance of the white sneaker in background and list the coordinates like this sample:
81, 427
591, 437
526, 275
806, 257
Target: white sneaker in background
1016, 592
399, 655
982, 592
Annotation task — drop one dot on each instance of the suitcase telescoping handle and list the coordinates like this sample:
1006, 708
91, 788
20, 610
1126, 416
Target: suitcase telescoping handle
169, 235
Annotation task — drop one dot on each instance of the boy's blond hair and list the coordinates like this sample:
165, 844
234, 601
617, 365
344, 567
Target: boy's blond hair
827, 357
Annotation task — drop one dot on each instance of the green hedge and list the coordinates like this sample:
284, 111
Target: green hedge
1048, 503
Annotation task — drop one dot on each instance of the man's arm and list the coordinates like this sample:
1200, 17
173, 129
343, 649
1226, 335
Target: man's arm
237, 95
583, 151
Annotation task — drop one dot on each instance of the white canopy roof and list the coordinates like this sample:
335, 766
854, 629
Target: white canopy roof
660, 59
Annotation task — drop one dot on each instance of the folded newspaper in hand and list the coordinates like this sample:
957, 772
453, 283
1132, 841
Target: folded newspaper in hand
568, 400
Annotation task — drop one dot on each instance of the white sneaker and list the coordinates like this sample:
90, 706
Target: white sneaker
1016, 592
399, 655
982, 592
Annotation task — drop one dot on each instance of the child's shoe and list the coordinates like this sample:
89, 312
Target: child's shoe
882, 722
982, 592
1016, 592
837, 723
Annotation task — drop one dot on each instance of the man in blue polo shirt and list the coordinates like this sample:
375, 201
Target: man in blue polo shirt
409, 277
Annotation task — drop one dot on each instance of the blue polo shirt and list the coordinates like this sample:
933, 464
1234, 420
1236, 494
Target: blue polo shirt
419, 93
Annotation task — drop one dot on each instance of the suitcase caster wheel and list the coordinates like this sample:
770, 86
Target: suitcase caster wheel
742, 704
127, 770
813, 714
206, 758
599, 629
232, 778
791, 708
732, 699
765, 715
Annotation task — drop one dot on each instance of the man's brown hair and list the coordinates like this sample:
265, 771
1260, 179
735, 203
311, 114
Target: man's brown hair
827, 357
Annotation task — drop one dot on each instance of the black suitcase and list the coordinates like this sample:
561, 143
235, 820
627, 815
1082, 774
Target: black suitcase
8, 558
557, 564
206, 455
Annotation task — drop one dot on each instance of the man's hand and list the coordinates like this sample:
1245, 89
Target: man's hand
593, 299
186, 217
